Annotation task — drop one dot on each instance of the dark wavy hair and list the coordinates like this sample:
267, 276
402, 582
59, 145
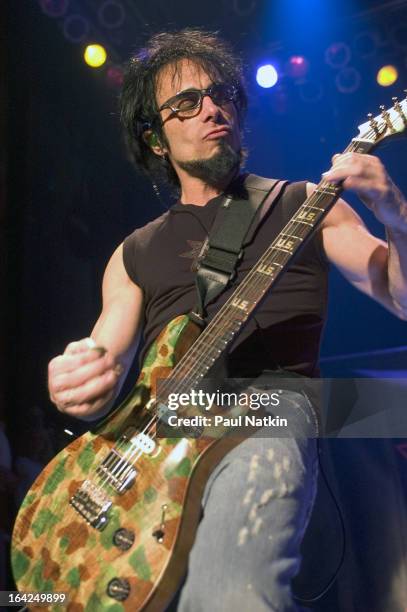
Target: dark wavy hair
138, 106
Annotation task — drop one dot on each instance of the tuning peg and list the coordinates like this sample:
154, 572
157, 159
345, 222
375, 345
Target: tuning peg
397, 107
384, 113
373, 124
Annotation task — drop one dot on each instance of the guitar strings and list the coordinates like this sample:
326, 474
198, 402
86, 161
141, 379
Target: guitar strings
132, 454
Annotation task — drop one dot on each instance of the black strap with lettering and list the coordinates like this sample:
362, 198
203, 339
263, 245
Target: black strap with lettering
232, 224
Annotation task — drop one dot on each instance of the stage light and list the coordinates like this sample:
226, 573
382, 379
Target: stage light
387, 75
297, 66
95, 55
337, 55
348, 80
267, 76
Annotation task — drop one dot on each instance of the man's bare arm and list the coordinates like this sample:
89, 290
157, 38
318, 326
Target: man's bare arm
85, 380
370, 264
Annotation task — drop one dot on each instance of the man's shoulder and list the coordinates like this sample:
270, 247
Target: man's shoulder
142, 235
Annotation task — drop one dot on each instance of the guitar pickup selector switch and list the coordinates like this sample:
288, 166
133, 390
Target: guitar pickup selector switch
159, 533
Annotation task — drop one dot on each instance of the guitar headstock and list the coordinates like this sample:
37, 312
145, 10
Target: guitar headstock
388, 123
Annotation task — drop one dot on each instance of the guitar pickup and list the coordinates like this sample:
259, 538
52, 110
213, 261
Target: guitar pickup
117, 472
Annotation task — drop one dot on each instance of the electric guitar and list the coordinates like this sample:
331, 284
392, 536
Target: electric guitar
109, 523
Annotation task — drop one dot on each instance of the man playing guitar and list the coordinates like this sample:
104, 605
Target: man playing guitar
182, 107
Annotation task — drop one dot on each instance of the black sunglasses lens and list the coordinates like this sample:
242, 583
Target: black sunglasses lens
222, 92
189, 100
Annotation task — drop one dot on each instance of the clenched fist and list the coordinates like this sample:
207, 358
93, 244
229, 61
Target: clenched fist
84, 379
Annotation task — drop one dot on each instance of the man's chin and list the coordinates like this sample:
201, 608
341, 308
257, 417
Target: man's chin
218, 167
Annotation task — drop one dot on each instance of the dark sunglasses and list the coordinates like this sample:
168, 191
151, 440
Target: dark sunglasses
191, 99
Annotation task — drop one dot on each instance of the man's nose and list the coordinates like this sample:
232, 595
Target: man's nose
209, 108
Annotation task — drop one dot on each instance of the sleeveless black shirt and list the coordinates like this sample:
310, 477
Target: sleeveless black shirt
286, 329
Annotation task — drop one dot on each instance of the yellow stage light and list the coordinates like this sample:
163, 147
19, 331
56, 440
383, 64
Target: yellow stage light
95, 55
387, 75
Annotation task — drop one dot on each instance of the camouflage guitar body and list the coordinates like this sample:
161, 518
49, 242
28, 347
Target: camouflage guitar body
136, 558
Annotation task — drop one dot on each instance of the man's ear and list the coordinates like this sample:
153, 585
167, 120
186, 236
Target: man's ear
151, 139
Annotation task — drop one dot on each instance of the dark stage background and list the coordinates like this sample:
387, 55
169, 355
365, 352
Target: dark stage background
69, 197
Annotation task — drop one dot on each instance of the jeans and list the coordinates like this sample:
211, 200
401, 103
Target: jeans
255, 509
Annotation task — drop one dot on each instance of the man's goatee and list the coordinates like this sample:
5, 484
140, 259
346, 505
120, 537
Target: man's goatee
215, 169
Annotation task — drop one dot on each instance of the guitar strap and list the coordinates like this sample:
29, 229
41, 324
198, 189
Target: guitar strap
232, 226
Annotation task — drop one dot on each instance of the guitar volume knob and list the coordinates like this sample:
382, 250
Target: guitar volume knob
118, 588
123, 538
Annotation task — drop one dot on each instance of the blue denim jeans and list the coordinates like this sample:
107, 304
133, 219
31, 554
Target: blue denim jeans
255, 509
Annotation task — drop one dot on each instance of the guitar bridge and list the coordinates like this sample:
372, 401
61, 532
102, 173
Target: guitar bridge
92, 504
